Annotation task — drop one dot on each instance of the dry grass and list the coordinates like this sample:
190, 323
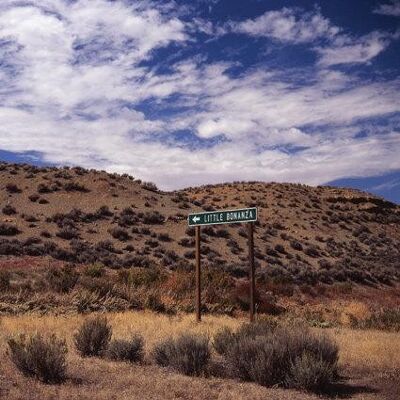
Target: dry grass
368, 350
363, 352
153, 327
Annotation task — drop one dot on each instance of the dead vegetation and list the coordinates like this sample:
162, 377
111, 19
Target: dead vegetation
363, 355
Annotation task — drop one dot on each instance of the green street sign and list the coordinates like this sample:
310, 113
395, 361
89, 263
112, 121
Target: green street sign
223, 217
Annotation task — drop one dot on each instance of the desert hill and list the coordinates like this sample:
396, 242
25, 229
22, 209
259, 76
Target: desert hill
305, 234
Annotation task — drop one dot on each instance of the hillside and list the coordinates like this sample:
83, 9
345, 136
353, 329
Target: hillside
305, 234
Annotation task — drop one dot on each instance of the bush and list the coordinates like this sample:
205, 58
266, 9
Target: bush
225, 338
93, 337
127, 350
9, 210
150, 186
164, 237
75, 187
223, 341
280, 355
310, 373
68, 232
8, 230
312, 251
163, 352
45, 233
34, 197
188, 354
153, 218
95, 270
119, 233
12, 188
42, 358
296, 245
42, 188
385, 319
62, 280
153, 302
5, 277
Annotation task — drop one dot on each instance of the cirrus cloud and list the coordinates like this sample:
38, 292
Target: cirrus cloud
81, 84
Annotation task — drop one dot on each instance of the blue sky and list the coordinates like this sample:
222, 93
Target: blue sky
191, 92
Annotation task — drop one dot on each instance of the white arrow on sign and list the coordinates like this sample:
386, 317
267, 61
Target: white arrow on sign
196, 219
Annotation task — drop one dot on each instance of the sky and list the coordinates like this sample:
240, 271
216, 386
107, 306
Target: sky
184, 93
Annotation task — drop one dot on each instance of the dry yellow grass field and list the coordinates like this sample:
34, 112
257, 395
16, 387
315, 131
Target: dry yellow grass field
370, 361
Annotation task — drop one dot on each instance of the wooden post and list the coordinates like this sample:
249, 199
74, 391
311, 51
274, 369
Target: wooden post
251, 268
198, 275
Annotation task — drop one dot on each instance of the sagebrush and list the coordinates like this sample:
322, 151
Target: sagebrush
41, 357
93, 337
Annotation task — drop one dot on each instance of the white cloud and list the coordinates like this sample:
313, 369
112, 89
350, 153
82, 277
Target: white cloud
335, 47
346, 50
74, 86
392, 8
288, 25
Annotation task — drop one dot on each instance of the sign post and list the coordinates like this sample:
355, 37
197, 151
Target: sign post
198, 275
251, 268
224, 217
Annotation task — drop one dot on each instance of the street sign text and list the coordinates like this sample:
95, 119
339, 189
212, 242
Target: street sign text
223, 217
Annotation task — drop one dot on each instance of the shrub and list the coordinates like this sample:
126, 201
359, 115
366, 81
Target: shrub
310, 373
312, 251
225, 338
153, 218
5, 277
34, 197
222, 233
93, 337
12, 188
127, 350
282, 355
223, 341
163, 352
95, 271
9, 210
62, 280
119, 233
75, 187
42, 358
103, 212
190, 231
8, 230
45, 233
30, 218
188, 354
164, 237
385, 319
68, 232
296, 245
42, 188
280, 249
140, 276
153, 302
150, 186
